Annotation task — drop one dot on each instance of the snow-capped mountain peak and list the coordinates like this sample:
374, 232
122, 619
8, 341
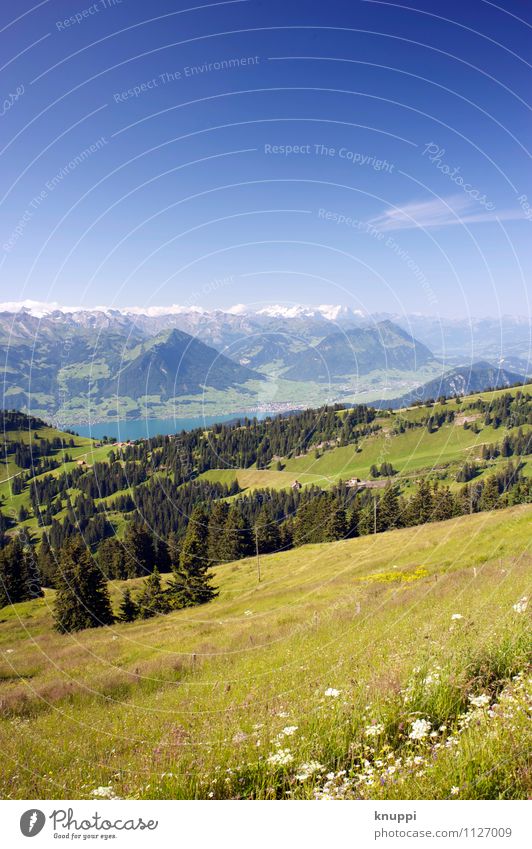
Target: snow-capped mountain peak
330, 312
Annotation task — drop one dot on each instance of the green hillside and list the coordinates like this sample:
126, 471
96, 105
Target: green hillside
380, 667
433, 442
439, 453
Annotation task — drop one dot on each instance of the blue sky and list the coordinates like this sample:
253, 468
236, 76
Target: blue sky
364, 153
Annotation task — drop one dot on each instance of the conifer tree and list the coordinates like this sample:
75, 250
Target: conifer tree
82, 598
47, 562
191, 582
129, 609
420, 505
19, 573
389, 508
152, 599
174, 550
11, 579
336, 523
216, 533
267, 531
139, 552
31, 576
443, 504
490, 494
112, 560
237, 542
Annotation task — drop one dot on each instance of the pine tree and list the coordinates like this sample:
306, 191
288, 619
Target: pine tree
139, 552
237, 541
152, 599
174, 550
336, 523
11, 578
443, 504
111, 559
47, 562
216, 532
129, 609
82, 598
31, 576
389, 508
267, 531
191, 582
490, 494
420, 505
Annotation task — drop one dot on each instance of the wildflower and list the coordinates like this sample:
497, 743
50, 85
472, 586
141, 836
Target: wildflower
289, 730
455, 791
104, 792
308, 769
248, 613
420, 729
332, 693
239, 737
374, 730
457, 616
521, 605
479, 701
281, 758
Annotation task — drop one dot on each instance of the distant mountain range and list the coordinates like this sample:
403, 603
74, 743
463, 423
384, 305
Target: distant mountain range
465, 380
177, 364
98, 363
358, 352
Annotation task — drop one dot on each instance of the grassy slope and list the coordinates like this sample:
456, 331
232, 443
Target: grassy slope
163, 708
412, 453
84, 448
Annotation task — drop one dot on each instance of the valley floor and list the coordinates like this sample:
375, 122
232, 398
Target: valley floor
392, 666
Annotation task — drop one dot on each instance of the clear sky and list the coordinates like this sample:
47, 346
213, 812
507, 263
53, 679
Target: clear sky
372, 154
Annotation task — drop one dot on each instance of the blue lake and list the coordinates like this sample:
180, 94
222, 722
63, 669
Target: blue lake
125, 429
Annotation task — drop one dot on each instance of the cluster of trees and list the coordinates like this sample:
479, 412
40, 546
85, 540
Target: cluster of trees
385, 470
19, 572
248, 441
518, 444
82, 595
505, 410
15, 420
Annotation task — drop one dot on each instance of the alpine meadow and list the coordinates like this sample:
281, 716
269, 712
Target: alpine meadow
266, 423
342, 615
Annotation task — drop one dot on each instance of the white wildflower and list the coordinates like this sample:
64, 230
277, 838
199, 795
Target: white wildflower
332, 693
374, 730
289, 730
456, 616
455, 790
309, 769
479, 701
104, 792
420, 729
281, 758
521, 605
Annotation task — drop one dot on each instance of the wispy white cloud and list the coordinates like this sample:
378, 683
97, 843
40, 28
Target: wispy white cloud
440, 212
